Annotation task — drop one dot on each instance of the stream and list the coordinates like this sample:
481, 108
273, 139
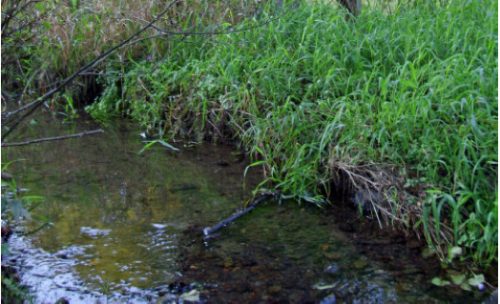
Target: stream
128, 227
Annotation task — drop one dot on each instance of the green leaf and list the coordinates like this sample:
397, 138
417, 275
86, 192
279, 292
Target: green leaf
465, 286
457, 279
43, 218
257, 163
476, 280
165, 144
437, 281
40, 7
462, 239
33, 198
168, 145
147, 147
18, 210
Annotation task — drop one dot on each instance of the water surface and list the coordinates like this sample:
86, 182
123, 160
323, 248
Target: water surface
128, 227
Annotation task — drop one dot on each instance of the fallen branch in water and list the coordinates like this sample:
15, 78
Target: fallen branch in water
52, 138
207, 231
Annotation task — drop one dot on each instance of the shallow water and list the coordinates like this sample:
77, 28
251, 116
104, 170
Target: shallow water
128, 227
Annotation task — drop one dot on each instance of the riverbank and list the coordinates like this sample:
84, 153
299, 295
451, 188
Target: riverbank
397, 111
399, 104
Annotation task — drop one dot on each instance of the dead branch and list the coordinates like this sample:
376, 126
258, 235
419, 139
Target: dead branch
276, 195
52, 138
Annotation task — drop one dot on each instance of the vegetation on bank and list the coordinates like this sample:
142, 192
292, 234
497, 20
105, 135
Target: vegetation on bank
401, 103
404, 103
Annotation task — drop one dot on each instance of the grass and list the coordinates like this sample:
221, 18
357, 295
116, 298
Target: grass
46, 42
402, 102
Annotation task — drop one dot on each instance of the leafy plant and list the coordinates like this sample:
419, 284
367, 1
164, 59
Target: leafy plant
12, 292
461, 279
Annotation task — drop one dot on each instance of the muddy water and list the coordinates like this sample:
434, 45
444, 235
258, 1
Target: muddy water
128, 227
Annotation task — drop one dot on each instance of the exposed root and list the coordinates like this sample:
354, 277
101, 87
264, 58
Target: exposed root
383, 192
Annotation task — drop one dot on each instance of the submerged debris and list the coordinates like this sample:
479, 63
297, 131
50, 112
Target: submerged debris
207, 231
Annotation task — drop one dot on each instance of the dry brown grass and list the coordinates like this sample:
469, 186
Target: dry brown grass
389, 197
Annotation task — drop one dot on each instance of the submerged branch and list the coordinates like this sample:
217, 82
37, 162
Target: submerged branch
52, 138
207, 231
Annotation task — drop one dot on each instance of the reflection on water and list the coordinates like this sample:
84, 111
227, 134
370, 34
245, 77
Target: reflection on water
125, 209
128, 227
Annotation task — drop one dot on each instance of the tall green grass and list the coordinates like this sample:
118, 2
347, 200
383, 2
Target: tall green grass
403, 102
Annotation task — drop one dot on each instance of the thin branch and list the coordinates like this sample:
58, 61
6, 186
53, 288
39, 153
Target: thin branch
52, 138
187, 33
160, 36
231, 31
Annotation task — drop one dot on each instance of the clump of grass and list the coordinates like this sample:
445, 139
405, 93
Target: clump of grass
45, 42
402, 103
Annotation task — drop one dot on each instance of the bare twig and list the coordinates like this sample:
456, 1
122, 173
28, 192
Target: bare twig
215, 33
52, 138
